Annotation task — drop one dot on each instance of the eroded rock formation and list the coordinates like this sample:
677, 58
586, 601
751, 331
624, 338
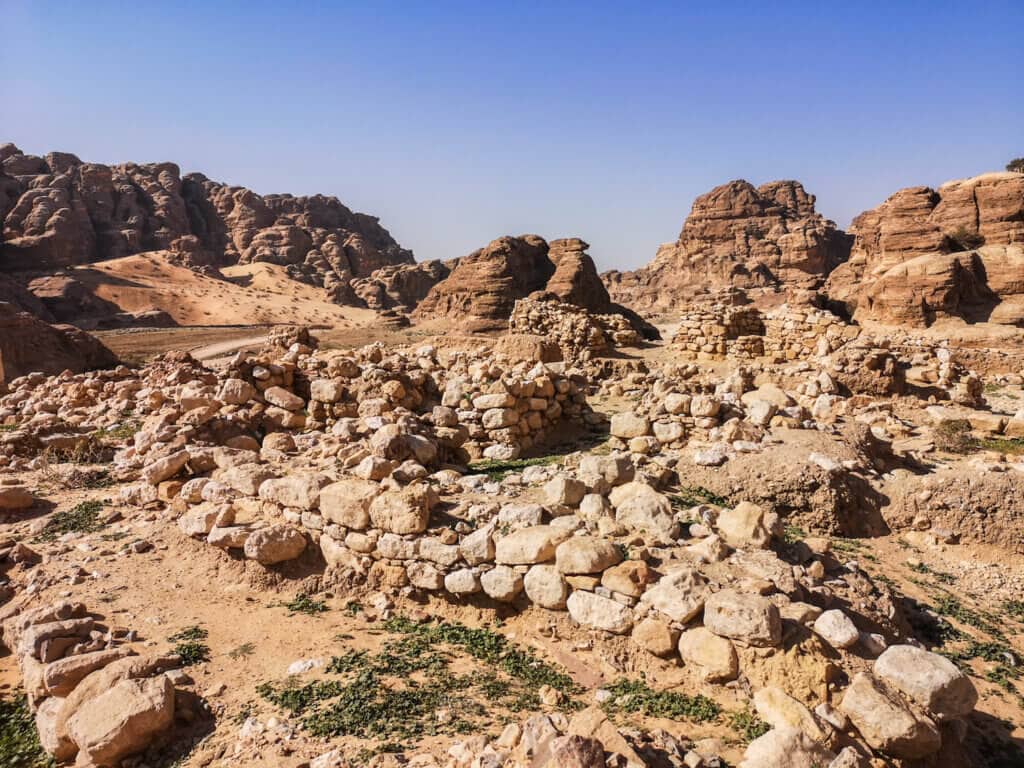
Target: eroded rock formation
482, 289
737, 235
58, 211
925, 254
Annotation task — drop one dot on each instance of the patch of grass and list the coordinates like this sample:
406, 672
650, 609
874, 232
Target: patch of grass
948, 605
636, 696
793, 534
491, 647
407, 689
303, 603
83, 518
940, 576
1014, 608
241, 652
498, 470
123, 432
19, 741
748, 725
1013, 446
190, 646
8, 427
694, 495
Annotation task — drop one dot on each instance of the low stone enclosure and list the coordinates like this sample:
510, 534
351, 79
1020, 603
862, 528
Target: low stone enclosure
786, 333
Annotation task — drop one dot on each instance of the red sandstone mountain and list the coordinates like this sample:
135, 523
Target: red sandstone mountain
925, 254
737, 235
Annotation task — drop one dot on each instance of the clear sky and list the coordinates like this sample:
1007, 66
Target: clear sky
459, 122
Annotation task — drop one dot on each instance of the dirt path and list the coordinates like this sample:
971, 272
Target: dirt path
210, 352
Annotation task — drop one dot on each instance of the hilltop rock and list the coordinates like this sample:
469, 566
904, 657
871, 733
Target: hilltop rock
483, 287
737, 235
925, 254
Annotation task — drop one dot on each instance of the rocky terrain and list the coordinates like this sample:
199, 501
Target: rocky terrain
451, 552
481, 513
742, 236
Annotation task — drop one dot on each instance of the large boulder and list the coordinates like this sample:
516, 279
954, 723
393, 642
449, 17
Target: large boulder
745, 617
275, 544
403, 512
638, 506
593, 610
933, 681
928, 254
122, 720
886, 722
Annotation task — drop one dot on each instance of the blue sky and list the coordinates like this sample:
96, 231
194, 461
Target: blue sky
459, 122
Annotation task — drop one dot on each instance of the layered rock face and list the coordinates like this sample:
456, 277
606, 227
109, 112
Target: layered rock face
58, 211
737, 235
28, 344
483, 287
401, 287
925, 255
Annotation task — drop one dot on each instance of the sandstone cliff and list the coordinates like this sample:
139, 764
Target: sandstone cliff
483, 286
925, 255
481, 290
737, 235
58, 211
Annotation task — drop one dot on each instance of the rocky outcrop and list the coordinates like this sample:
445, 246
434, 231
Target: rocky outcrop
483, 287
27, 344
401, 287
58, 211
737, 235
926, 254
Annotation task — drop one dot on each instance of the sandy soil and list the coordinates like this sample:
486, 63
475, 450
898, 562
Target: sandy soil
254, 294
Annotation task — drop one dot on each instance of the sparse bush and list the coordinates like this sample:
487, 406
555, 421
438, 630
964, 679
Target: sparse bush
963, 240
954, 436
748, 725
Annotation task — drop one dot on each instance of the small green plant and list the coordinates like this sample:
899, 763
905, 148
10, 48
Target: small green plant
748, 725
637, 696
498, 470
8, 427
19, 741
303, 603
190, 646
794, 534
694, 495
123, 432
83, 518
940, 576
